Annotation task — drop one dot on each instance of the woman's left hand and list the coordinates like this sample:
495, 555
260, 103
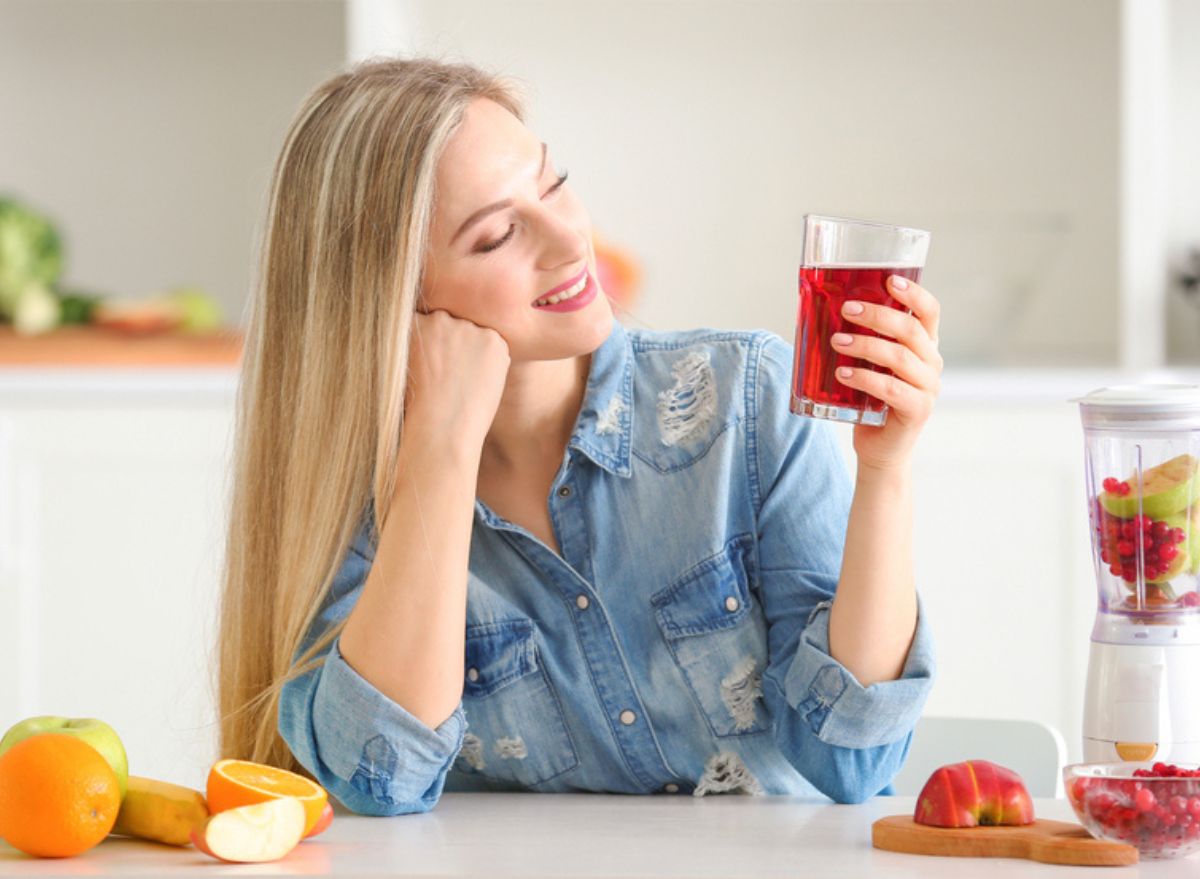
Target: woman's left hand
909, 349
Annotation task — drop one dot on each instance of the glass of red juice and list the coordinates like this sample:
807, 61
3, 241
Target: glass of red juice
845, 260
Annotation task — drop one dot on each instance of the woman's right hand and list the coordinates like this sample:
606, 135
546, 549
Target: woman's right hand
456, 375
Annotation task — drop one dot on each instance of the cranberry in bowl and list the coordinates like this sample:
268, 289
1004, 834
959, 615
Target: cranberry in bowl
1154, 807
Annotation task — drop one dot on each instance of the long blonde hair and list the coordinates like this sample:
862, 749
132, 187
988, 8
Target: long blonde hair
320, 404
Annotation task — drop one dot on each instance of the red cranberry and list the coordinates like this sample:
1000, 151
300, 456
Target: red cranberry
1168, 551
1160, 530
1126, 548
1128, 529
1110, 484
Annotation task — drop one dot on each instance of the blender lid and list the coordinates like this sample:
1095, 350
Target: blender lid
1122, 404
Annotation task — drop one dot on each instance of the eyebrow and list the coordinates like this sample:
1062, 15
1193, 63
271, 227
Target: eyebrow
492, 208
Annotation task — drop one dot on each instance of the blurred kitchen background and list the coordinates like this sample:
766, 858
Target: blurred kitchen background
1048, 144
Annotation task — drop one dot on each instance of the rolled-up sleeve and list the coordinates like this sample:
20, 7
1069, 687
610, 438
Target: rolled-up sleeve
847, 739
371, 754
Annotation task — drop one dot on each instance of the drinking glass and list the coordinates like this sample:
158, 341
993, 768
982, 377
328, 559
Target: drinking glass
843, 260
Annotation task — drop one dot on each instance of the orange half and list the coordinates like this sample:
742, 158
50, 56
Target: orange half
233, 783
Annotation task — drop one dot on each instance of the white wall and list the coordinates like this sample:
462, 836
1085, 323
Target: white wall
148, 130
700, 132
1183, 340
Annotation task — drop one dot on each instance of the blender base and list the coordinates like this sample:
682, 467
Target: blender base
1141, 703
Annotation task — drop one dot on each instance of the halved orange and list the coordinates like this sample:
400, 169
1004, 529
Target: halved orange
233, 783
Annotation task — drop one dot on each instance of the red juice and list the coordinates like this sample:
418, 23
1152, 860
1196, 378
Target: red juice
823, 291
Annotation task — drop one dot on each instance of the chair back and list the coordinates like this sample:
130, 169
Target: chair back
1034, 750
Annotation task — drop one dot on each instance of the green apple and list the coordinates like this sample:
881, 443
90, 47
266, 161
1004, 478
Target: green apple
96, 733
1169, 488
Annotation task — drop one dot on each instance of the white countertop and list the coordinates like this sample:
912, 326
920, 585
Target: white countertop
572, 836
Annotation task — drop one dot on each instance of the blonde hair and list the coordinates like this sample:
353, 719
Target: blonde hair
320, 404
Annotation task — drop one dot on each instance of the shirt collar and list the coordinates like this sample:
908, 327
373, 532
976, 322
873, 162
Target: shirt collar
605, 422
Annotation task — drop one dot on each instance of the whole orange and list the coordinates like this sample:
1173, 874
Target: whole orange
58, 796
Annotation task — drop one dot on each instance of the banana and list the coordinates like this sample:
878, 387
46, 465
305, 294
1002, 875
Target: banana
160, 811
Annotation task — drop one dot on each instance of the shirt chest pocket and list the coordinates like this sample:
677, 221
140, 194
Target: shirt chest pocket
718, 636
515, 726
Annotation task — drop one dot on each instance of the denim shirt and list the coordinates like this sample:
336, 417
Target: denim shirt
679, 643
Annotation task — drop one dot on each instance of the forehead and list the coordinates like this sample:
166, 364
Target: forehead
489, 154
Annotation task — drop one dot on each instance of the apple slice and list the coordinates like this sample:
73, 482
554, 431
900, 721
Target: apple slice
253, 834
323, 822
973, 793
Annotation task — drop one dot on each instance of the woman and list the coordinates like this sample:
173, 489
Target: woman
603, 559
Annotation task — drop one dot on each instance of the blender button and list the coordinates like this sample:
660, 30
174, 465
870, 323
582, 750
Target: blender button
1136, 751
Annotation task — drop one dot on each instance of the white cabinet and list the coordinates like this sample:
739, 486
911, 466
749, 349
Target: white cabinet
112, 499
112, 514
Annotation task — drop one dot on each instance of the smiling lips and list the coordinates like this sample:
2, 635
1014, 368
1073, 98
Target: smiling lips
564, 291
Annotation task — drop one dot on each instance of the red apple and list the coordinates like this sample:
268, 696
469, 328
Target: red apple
253, 834
322, 823
973, 793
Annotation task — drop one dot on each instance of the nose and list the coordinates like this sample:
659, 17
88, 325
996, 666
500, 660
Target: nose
564, 241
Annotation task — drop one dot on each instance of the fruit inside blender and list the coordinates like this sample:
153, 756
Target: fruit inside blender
1147, 536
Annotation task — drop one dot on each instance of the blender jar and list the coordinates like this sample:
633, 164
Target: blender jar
1142, 447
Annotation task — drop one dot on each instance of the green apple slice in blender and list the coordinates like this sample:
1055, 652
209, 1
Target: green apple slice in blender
1167, 489
1190, 525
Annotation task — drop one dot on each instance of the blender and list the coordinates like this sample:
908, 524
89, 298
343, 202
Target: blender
1142, 453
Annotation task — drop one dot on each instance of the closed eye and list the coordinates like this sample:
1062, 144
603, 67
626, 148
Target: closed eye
489, 247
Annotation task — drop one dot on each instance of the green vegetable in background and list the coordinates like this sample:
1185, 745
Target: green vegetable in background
31, 260
77, 306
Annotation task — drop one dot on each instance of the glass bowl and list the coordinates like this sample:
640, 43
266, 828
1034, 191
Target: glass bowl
1159, 816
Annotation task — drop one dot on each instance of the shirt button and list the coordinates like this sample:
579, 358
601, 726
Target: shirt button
628, 717
565, 491
672, 788
581, 602
731, 604
472, 674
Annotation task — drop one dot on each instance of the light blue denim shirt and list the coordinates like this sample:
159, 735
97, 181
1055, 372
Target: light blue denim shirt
679, 643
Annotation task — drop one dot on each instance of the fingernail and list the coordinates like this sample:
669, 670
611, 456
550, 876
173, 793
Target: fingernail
844, 372
841, 339
899, 283
852, 308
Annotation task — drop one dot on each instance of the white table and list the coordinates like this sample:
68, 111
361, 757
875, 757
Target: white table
504, 836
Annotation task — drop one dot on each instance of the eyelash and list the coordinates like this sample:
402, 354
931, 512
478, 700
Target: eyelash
488, 248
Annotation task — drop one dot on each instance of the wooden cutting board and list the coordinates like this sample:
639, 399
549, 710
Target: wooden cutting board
1050, 842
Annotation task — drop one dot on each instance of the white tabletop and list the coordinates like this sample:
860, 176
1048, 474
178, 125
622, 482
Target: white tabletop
503, 836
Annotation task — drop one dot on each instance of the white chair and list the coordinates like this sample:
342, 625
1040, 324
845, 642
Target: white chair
1034, 750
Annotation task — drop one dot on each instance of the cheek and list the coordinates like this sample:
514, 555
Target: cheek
484, 294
